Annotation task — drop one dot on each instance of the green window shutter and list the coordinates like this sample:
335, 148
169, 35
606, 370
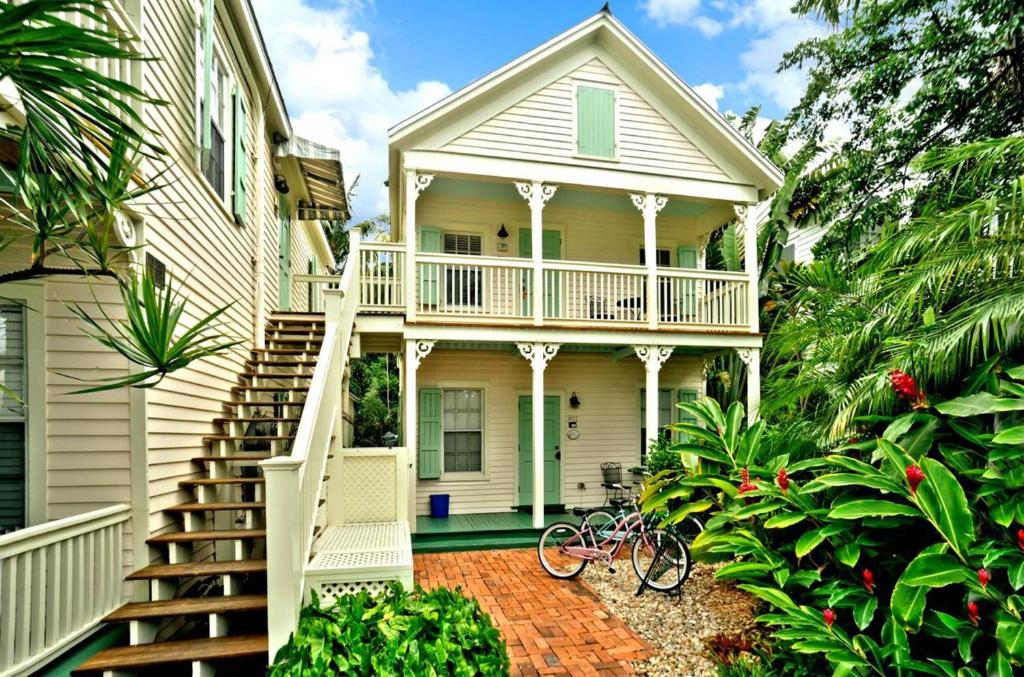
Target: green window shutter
430, 434
595, 121
241, 160
687, 395
686, 257
430, 275
525, 243
206, 114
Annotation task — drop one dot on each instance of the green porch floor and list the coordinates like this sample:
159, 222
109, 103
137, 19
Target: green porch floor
481, 531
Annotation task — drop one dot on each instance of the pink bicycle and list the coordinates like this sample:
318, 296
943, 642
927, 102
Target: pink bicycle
660, 559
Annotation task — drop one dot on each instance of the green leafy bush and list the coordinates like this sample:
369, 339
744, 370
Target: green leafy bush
662, 457
900, 553
441, 632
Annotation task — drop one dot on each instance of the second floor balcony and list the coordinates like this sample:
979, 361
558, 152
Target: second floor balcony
471, 289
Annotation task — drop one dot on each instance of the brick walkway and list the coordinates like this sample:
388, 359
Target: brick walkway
552, 627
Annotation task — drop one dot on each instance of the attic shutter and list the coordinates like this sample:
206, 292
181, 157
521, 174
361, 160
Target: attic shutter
595, 121
241, 160
688, 396
430, 434
686, 257
12, 418
430, 243
206, 119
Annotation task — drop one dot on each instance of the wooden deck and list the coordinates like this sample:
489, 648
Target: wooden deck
481, 531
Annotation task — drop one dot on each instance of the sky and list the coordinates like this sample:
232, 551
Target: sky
350, 69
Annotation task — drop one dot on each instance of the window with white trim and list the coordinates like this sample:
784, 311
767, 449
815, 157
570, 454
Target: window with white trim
217, 168
463, 284
462, 424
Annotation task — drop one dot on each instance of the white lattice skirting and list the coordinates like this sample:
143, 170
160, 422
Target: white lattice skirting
358, 557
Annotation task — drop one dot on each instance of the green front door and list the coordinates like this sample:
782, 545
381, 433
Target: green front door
551, 248
284, 246
552, 450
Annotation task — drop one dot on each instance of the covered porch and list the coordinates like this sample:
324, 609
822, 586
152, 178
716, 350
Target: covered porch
479, 531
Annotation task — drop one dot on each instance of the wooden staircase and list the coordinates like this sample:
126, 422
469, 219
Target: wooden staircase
207, 603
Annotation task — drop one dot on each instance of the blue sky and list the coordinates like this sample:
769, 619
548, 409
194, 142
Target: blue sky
349, 69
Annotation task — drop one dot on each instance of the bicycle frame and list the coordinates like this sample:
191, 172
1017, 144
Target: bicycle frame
626, 524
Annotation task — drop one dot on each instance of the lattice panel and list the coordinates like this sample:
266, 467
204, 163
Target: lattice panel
328, 592
369, 489
372, 536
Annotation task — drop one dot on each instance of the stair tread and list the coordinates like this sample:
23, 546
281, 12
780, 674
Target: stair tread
232, 457
215, 535
196, 506
188, 569
301, 374
187, 606
271, 388
264, 403
280, 351
257, 419
179, 651
251, 438
205, 481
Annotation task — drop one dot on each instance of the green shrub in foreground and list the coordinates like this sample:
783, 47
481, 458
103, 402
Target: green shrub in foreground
441, 632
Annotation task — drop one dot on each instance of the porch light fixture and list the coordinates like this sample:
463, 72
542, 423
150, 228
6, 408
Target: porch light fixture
281, 184
502, 232
574, 401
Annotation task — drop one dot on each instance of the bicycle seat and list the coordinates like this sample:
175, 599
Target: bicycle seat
618, 502
580, 512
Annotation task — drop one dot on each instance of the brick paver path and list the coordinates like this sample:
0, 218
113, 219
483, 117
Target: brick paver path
552, 627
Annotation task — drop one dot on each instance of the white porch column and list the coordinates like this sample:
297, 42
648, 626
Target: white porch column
752, 358
537, 195
538, 355
747, 216
415, 351
652, 357
649, 205
414, 185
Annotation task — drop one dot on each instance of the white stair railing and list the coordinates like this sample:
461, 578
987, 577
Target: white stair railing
57, 580
295, 483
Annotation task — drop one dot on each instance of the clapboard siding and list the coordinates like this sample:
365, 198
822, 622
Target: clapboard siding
595, 235
608, 419
540, 127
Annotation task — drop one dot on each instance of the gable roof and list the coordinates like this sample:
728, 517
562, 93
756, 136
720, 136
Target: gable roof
608, 32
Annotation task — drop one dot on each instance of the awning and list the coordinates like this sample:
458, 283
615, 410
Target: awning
320, 167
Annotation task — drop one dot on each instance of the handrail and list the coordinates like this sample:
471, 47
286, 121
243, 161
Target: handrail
295, 483
383, 246
59, 579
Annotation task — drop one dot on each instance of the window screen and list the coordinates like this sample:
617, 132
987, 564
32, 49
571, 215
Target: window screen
664, 258
463, 430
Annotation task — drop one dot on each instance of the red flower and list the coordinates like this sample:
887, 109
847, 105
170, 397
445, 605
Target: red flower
972, 613
1020, 538
983, 577
869, 580
914, 477
783, 479
745, 485
829, 616
906, 389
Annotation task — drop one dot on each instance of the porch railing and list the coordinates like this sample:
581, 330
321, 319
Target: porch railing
295, 484
575, 292
57, 580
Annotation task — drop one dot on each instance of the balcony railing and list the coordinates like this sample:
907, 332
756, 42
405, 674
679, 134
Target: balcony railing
501, 289
57, 580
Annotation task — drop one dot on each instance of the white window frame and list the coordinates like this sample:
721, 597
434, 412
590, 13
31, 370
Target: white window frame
616, 112
469, 475
228, 82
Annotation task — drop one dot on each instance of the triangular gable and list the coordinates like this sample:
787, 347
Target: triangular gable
706, 143
541, 127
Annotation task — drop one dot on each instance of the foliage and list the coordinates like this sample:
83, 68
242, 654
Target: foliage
661, 457
903, 77
79, 150
902, 553
938, 293
440, 632
375, 387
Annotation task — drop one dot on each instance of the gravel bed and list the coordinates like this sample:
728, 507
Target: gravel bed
678, 628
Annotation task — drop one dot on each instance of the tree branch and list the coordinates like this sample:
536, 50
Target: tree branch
45, 271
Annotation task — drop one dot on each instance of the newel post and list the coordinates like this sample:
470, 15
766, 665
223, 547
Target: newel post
284, 550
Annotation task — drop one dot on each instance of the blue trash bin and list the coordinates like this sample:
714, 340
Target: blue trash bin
439, 505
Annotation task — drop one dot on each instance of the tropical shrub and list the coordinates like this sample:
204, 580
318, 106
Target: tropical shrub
441, 632
898, 553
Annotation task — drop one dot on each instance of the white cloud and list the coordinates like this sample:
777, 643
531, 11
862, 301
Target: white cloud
710, 92
335, 93
681, 13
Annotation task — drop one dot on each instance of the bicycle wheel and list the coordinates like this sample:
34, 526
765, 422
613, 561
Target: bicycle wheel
672, 566
602, 526
551, 550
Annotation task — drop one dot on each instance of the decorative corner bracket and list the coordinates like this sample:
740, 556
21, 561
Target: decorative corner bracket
741, 211
538, 354
536, 193
421, 348
419, 183
747, 355
653, 356
648, 202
